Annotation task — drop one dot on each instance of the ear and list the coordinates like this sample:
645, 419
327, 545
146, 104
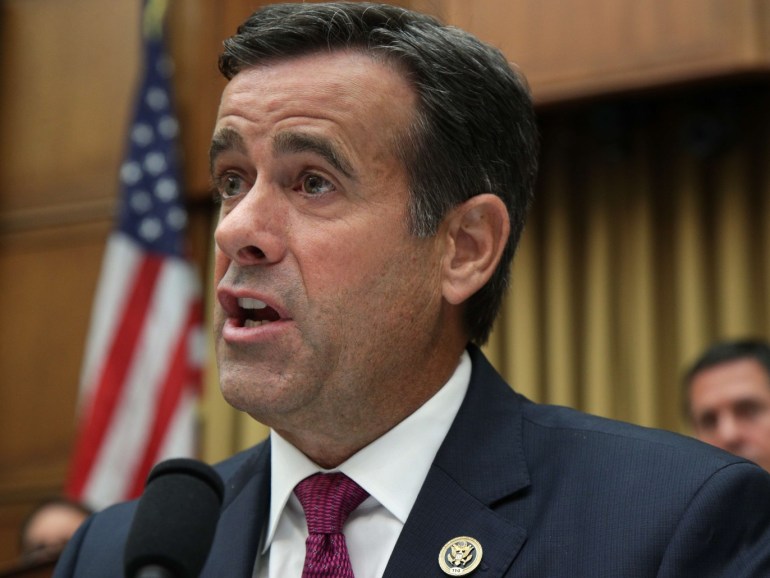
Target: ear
477, 232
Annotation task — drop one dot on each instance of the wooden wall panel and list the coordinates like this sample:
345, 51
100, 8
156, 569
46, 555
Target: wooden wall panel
69, 68
47, 278
580, 48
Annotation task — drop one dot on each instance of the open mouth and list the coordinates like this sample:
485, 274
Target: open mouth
254, 312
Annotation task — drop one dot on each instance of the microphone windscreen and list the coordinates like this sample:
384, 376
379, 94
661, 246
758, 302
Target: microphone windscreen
175, 519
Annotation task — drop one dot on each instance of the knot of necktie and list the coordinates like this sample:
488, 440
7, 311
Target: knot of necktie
328, 500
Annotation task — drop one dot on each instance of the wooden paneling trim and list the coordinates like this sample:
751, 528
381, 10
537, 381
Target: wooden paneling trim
580, 48
74, 213
34, 479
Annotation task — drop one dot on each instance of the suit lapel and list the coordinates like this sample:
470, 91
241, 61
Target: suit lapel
480, 463
244, 511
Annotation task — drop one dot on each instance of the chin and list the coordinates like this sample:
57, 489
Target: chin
260, 403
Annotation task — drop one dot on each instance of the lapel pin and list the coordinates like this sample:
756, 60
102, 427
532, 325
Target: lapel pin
460, 556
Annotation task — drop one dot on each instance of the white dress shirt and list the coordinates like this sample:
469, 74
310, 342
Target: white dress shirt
392, 469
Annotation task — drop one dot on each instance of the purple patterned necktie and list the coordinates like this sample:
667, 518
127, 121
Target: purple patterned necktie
328, 500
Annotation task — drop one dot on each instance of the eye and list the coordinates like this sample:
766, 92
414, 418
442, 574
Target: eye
230, 185
749, 409
315, 185
707, 421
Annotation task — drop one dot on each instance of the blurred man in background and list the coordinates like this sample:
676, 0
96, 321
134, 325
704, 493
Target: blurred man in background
48, 527
728, 398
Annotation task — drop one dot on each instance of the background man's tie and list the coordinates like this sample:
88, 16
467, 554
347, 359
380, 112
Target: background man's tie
328, 500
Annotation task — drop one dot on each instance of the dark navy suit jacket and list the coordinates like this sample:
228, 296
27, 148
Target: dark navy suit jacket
547, 491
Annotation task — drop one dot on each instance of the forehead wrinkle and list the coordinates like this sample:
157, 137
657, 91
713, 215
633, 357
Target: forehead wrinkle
288, 142
225, 139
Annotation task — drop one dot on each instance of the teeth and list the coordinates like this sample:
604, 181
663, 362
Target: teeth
253, 323
249, 303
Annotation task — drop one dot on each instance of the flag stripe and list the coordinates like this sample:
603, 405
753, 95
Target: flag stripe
181, 437
102, 404
120, 264
179, 376
175, 292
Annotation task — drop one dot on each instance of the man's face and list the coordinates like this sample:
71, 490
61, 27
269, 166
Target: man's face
313, 233
730, 407
50, 530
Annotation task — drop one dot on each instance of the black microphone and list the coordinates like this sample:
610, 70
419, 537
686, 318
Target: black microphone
175, 521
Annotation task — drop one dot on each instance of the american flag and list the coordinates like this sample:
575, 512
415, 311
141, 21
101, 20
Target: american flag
141, 373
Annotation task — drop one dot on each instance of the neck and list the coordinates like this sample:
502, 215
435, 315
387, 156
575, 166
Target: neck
332, 439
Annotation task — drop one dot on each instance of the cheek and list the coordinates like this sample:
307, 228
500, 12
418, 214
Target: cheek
702, 432
342, 283
338, 261
763, 429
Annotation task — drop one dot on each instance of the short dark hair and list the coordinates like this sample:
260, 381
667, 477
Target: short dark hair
474, 130
724, 352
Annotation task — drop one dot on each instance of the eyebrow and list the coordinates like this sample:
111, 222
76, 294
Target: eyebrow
226, 139
295, 142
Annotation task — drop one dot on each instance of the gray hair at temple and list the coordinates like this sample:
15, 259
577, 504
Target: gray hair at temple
474, 131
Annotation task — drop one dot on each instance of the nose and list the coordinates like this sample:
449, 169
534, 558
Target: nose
250, 228
728, 434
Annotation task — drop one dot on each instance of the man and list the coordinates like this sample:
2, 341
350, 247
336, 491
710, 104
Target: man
374, 170
728, 393
47, 528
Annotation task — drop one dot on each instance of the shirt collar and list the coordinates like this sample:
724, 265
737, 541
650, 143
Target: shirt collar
392, 468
